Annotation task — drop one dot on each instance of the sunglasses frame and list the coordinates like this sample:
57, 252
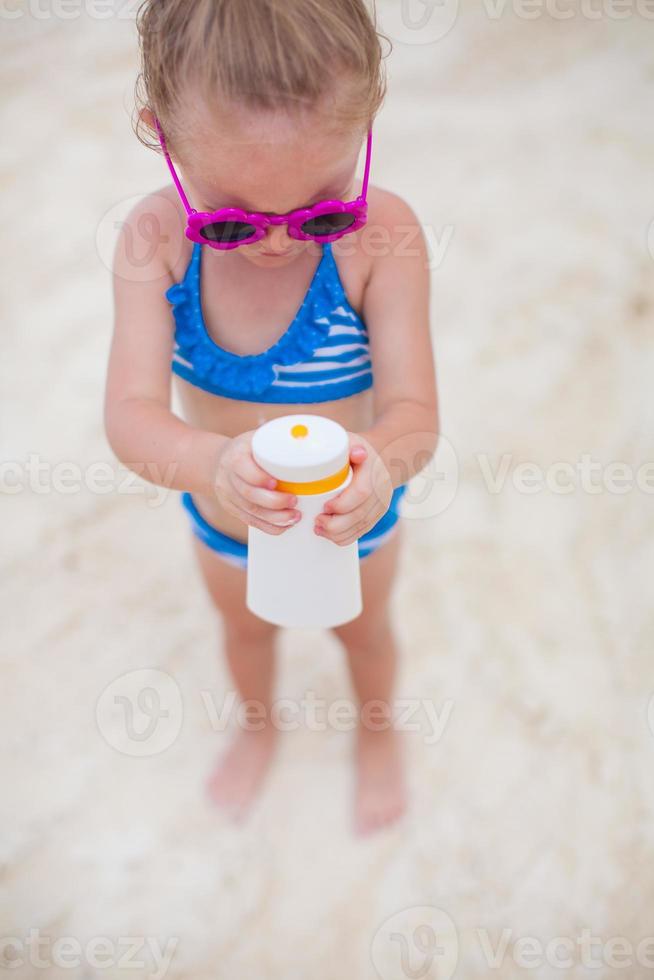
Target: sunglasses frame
197, 220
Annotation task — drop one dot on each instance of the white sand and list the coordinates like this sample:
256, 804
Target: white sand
527, 613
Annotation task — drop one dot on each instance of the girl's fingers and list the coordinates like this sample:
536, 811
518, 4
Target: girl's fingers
348, 500
248, 469
269, 499
270, 515
339, 523
252, 520
361, 496
346, 528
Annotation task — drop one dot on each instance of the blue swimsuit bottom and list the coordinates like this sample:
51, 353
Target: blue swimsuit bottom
236, 552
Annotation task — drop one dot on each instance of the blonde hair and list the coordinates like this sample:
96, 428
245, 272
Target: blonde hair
259, 54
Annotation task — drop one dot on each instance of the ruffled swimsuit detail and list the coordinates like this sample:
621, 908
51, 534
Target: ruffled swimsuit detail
324, 353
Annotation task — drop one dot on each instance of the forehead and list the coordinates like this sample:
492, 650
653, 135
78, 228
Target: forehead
268, 163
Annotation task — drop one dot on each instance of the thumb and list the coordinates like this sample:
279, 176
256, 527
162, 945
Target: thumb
358, 454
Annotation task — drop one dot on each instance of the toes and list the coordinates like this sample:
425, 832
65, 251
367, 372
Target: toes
370, 818
237, 779
361, 826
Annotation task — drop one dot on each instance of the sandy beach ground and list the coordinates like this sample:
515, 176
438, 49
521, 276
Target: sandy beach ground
523, 604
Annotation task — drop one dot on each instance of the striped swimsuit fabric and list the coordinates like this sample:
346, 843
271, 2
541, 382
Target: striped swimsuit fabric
323, 355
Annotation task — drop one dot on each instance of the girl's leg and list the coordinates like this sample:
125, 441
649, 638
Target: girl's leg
249, 644
371, 649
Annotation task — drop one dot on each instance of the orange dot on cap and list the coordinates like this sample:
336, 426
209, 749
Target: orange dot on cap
299, 431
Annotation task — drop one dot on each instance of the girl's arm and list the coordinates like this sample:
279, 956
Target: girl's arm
141, 429
397, 311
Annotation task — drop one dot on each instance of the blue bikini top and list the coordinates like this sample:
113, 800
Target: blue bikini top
323, 355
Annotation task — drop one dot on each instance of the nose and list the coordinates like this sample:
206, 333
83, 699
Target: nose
277, 239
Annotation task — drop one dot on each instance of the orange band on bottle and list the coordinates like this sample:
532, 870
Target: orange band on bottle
315, 486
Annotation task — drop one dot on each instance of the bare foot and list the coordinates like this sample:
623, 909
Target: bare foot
237, 779
380, 793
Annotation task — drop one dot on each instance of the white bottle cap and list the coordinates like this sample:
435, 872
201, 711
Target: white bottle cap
301, 448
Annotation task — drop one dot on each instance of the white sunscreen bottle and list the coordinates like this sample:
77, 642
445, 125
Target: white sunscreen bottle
298, 578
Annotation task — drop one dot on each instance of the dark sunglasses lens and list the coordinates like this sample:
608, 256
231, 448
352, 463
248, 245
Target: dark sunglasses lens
329, 224
227, 232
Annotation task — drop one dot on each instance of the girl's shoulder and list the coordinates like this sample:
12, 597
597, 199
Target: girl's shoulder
392, 224
152, 235
385, 203
153, 232
389, 218
389, 214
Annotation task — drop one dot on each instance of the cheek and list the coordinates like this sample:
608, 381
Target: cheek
348, 194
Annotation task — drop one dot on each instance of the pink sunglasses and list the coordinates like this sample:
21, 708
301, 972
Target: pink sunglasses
230, 227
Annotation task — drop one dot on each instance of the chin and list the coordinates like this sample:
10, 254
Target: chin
279, 258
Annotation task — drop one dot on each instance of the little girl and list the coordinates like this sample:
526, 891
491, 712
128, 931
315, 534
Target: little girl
278, 284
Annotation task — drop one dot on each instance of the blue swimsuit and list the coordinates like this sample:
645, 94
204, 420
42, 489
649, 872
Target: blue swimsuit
323, 355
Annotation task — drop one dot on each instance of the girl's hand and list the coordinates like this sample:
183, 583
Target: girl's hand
364, 501
245, 490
